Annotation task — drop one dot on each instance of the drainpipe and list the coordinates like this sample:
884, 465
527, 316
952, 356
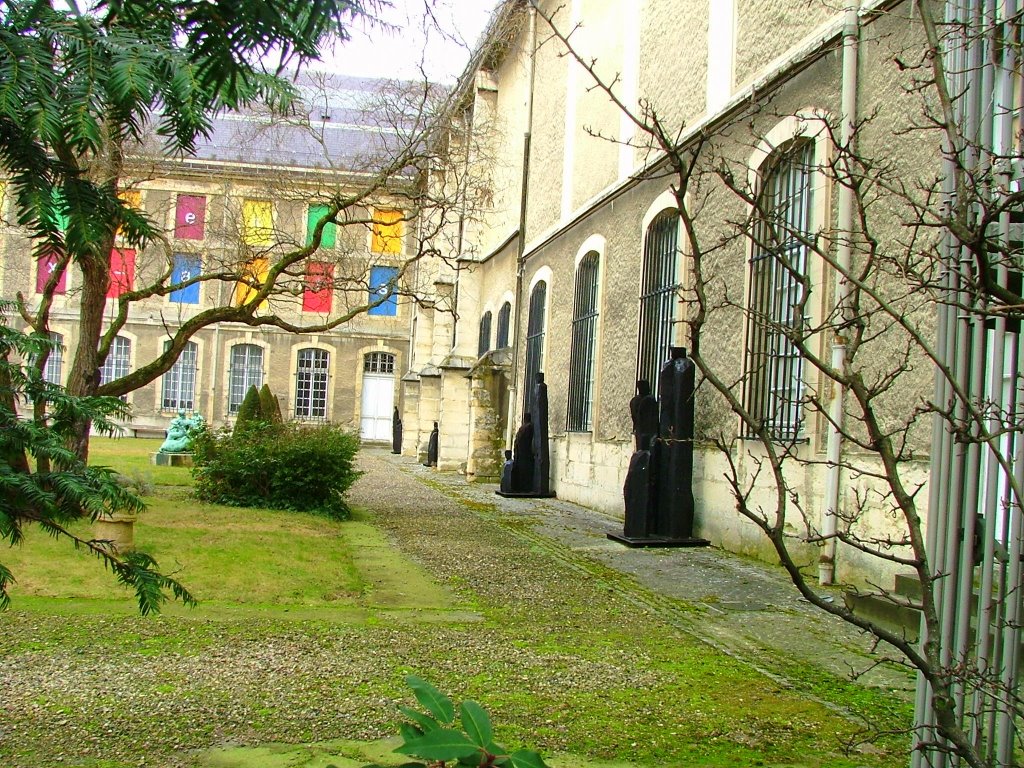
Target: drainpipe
851, 33
510, 429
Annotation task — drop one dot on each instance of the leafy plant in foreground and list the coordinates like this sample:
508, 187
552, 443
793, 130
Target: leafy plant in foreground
436, 737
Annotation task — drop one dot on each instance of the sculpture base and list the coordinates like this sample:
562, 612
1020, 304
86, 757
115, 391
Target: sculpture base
172, 459
116, 530
657, 541
526, 495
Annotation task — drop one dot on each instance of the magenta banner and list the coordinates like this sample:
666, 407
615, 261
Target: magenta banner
190, 217
47, 264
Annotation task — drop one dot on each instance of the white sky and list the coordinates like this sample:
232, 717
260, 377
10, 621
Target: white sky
414, 42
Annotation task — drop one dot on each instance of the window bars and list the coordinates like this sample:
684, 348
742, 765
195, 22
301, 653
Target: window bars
580, 416
379, 362
117, 362
246, 371
53, 369
311, 375
179, 383
659, 283
778, 267
535, 339
504, 320
484, 344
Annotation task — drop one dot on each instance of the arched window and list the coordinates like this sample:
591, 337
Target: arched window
311, 368
584, 338
245, 370
179, 383
484, 345
53, 370
535, 337
777, 295
504, 320
658, 286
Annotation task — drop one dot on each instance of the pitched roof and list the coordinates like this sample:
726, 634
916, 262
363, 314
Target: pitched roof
343, 123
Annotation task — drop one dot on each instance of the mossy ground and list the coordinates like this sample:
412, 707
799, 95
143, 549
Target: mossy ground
307, 627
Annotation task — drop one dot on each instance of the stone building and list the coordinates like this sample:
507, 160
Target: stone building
254, 190
580, 264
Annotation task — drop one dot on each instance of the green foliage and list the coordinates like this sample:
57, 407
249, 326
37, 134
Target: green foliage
280, 466
270, 408
43, 483
434, 735
75, 79
250, 411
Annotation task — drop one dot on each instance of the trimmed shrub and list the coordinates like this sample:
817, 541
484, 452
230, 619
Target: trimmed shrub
250, 409
270, 408
285, 466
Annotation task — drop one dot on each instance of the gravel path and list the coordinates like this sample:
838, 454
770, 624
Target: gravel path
542, 619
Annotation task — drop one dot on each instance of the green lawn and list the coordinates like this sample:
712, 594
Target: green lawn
229, 558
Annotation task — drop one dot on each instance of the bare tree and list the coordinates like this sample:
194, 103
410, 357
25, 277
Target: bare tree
889, 323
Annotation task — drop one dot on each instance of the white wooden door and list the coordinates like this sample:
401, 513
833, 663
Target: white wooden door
377, 407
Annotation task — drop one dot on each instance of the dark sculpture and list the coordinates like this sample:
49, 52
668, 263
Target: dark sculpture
522, 457
658, 491
643, 408
675, 462
506, 473
638, 493
396, 432
432, 448
542, 458
530, 469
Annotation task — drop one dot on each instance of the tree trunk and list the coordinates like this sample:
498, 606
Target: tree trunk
84, 377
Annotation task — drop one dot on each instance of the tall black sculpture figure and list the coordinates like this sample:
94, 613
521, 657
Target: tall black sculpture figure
432, 448
396, 432
658, 491
528, 475
639, 491
643, 408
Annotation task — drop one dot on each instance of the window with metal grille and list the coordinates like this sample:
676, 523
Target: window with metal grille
584, 337
118, 361
244, 371
659, 283
311, 384
179, 383
484, 345
504, 320
379, 362
778, 269
535, 329
53, 370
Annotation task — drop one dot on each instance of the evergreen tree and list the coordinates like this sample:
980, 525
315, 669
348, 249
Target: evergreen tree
250, 410
82, 85
269, 406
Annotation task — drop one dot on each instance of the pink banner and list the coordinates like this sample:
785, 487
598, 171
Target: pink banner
190, 217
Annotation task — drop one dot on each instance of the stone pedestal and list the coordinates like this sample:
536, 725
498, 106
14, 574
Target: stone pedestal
172, 459
117, 529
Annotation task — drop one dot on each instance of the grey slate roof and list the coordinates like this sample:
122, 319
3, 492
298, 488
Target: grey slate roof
348, 127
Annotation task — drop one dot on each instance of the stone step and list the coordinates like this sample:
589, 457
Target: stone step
895, 612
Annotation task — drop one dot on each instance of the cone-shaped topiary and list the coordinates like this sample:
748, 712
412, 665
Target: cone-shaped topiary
269, 407
250, 410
